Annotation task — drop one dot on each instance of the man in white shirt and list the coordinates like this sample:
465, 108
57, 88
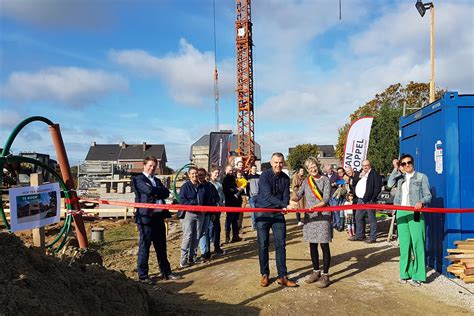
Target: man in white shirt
367, 190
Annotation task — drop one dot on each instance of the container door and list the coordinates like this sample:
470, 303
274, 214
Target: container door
466, 158
432, 144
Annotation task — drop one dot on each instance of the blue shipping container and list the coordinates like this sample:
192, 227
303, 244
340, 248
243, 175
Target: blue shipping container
440, 137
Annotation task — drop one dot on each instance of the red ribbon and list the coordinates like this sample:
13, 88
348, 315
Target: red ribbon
200, 208
72, 200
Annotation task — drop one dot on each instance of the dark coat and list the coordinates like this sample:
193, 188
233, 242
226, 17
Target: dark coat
202, 194
373, 188
232, 195
145, 192
273, 191
332, 180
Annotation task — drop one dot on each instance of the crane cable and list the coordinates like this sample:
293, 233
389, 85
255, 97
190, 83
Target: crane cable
216, 76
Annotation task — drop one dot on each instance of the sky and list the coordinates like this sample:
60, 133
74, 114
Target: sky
142, 71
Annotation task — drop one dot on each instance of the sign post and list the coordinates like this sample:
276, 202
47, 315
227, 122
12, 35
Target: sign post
39, 239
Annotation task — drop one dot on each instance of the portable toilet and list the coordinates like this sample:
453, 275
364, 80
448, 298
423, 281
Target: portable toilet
440, 137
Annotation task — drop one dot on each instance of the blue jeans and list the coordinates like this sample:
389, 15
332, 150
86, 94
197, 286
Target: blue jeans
191, 225
360, 222
278, 226
204, 239
252, 205
336, 216
215, 231
154, 233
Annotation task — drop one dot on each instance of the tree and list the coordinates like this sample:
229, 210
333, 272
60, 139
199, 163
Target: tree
386, 108
384, 142
300, 153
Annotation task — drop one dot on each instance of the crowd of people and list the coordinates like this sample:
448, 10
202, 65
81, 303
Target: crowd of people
311, 188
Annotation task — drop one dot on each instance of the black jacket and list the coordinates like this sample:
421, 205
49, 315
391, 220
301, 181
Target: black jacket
373, 188
145, 192
232, 195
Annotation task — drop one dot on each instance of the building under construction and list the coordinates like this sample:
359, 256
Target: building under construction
199, 154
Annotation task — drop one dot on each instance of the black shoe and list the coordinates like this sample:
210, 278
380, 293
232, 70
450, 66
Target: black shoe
218, 252
172, 277
354, 238
371, 241
203, 258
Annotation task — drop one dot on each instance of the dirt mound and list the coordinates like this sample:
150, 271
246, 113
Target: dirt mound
32, 283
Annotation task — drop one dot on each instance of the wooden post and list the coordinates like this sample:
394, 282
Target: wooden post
38, 233
392, 223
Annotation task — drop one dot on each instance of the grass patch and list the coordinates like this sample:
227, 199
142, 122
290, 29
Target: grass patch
117, 239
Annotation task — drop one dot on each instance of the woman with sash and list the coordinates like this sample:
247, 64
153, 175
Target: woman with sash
317, 227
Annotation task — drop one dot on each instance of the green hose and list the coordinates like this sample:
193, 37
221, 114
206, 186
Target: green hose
176, 196
5, 158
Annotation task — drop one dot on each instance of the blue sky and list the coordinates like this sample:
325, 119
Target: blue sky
142, 71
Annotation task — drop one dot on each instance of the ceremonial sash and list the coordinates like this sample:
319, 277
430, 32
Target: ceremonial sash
314, 189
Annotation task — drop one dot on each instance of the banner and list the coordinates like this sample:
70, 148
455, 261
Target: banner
219, 149
357, 143
36, 206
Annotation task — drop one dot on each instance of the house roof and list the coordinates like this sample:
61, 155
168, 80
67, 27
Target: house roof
328, 150
116, 152
204, 141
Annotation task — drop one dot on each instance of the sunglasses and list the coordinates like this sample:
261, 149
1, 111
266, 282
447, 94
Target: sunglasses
406, 163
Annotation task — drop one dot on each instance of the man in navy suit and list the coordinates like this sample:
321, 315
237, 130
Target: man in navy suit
151, 222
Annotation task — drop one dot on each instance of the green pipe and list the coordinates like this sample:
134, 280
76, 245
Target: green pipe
5, 152
14, 133
176, 196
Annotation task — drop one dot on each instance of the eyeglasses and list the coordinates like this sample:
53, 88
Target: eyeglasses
406, 163
365, 165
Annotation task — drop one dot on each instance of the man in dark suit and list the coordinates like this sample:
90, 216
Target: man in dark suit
367, 190
151, 222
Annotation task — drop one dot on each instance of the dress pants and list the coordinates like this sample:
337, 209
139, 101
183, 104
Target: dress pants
155, 233
411, 236
360, 222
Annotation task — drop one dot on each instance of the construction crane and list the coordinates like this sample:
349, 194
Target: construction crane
244, 89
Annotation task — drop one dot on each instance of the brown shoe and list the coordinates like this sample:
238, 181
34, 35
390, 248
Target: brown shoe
264, 281
285, 282
323, 281
313, 277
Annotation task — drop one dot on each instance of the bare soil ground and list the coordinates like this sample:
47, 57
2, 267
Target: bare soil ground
364, 279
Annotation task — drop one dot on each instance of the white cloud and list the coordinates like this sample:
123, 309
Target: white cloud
189, 73
51, 14
9, 119
69, 85
393, 48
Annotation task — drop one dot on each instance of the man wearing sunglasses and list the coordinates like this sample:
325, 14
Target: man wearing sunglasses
413, 189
